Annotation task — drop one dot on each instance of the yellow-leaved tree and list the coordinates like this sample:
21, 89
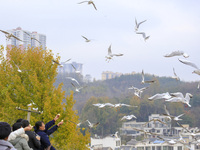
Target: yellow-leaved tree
27, 76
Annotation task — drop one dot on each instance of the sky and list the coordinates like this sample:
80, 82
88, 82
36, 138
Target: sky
171, 24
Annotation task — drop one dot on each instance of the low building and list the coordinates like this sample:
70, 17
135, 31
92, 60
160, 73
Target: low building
107, 142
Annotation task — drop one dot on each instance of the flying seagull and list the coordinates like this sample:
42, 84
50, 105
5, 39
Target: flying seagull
160, 96
89, 2
77, 89
9, 35
177, 53
138, 24
110, 54
57, 63
143, 35
147, 81
92, 125
129, 117
137, 91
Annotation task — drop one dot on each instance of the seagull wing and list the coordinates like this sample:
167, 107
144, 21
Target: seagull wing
73, 80
143, 34
93, 5
5, 32
67, 60
83, 2
141, 23
84, 37
142, 76
167, 112
56, 62
109, 50
27, 33
188, 63
73, 66
16, 37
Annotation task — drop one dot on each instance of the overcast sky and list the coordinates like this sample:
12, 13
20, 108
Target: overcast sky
172, 25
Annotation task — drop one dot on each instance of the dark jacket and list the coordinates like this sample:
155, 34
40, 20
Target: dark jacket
33, 142
44, 135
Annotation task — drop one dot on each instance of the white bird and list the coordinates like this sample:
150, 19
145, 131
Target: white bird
111, 55
198, 85
197, 71
138, 24
86, 39
115, 135
76, 71
175, 75
177, 53
186, 62
73, 80
137, 91
77, 89
178, 97
129, 117
92, 125
99, 105
176, 118
9, 35
160, 96
143, 35
89, 2
147, 81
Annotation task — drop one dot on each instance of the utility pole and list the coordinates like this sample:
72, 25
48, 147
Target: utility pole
29, 111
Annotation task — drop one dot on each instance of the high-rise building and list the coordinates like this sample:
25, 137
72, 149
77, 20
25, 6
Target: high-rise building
33, 39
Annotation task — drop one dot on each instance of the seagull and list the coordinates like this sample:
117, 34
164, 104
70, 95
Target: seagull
35, 109
9, 35
92, 125
115, 135
160, 96
143, 81
73, 80
76, 71
175, 75
77, 89
89, 2
86, 39
138, 24
32, 38
110, 54
129, 117
178, 97
99, 105
177, 53
197, 71
198, 85
167, 113
78, 124
188, 63
137, 91
144, 35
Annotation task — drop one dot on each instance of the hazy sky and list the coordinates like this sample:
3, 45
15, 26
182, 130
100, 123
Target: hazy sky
172, 25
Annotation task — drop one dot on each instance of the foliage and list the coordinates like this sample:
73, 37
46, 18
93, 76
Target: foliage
28, 76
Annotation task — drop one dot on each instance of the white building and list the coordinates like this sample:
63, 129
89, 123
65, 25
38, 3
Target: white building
25, 36
100, 143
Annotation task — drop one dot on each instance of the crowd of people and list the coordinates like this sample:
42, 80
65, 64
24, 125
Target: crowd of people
20, 136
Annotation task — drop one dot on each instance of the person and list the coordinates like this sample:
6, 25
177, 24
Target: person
20, 142
34, 141
43, 131
5, 131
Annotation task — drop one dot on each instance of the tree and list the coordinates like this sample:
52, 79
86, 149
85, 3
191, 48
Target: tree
27, 76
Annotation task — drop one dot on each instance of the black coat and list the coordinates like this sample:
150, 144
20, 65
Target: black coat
33, 142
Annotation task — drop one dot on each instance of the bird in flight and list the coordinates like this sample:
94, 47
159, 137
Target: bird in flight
89, 2
32, 38
143, 35
147, 81
76, 71
92, 125
137, 91
77, 89
9, 35
175, 75
73, 80
138, 24
111, 55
